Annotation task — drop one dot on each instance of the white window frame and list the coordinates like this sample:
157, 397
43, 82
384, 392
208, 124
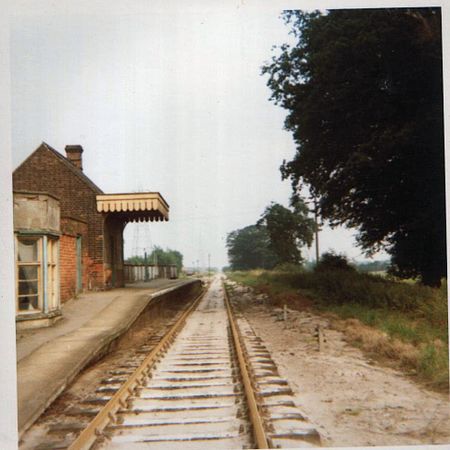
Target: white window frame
48, 290
37, 264
51, 295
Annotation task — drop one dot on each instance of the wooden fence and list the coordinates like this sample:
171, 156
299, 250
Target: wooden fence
141, 272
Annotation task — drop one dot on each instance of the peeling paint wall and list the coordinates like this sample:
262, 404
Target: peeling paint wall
36, 212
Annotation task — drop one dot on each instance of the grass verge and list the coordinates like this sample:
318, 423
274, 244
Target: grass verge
403, 322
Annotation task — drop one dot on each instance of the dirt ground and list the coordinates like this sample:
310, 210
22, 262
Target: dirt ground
352, 400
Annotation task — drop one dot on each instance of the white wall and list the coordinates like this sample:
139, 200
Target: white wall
8, 386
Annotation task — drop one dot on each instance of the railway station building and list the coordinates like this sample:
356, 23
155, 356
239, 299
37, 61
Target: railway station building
68, 233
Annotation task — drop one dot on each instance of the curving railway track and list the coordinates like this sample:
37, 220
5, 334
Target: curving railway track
209, 382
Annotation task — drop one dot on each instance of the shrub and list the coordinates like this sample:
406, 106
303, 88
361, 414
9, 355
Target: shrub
331, 261
433, 365
411, 319
288, 267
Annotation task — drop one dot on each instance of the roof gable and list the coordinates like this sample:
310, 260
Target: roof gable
63, 160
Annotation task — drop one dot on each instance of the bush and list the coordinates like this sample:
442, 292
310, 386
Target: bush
433, 364
288, 267
411, 317
331, 262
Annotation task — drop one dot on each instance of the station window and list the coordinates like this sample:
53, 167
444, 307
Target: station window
29, 274
37, 274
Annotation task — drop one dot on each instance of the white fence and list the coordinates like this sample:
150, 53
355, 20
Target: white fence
135, 272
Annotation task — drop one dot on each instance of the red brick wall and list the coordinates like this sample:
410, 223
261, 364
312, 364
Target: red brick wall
44, 171
67, 267
71, 229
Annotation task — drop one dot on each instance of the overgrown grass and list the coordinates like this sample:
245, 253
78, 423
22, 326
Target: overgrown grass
407, 313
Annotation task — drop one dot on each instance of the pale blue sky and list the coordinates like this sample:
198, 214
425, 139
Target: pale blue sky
162, 99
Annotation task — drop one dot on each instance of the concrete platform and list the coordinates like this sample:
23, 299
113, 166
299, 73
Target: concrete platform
49, 359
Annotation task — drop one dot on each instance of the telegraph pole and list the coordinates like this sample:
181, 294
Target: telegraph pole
316, 226
145, 265
316, 221
209, 265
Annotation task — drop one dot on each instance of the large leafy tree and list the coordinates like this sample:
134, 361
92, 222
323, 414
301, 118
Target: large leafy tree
249, 248
363, 91
288, 230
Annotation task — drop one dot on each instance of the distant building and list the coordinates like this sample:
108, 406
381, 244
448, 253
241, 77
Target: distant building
68, 233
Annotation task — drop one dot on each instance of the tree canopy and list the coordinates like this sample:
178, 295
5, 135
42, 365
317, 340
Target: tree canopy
166, 257
288, 230
161, 257
363, 91
249, 248
275, 239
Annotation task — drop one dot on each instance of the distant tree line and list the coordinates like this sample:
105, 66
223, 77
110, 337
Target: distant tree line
158, 256
275, 239
373, 266
364, 99
333, 261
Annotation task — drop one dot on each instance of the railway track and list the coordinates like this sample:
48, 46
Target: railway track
209, 382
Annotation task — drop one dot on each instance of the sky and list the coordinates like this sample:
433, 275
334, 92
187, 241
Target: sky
162, 99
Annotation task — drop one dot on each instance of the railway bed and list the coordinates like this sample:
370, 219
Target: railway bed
209, 382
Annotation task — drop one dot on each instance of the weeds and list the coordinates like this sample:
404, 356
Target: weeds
409, 321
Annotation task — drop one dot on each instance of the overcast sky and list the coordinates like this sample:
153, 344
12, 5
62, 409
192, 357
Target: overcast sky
162, 99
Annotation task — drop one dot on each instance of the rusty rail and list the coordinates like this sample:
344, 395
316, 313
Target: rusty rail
254, 413
119, 400
107, 414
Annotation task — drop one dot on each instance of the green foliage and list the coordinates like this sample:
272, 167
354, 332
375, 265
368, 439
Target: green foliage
332, 261
288, 230
309, 265
249, 248
412, 313
275, 239
135, 260
159, 257
352, 288
372, 266
363, 91
288, 267
166, 257
248, 278
340, 287
433, 364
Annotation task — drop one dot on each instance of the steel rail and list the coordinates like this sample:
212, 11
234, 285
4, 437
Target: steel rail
254, 413
90, 434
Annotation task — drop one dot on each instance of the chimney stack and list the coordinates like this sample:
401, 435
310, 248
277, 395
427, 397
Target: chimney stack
73, 153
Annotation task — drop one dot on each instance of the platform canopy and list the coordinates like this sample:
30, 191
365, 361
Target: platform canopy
137, 207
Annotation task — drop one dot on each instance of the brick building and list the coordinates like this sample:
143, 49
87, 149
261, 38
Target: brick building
89, 240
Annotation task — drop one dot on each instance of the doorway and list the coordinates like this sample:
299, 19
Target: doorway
113, 262
79, 281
